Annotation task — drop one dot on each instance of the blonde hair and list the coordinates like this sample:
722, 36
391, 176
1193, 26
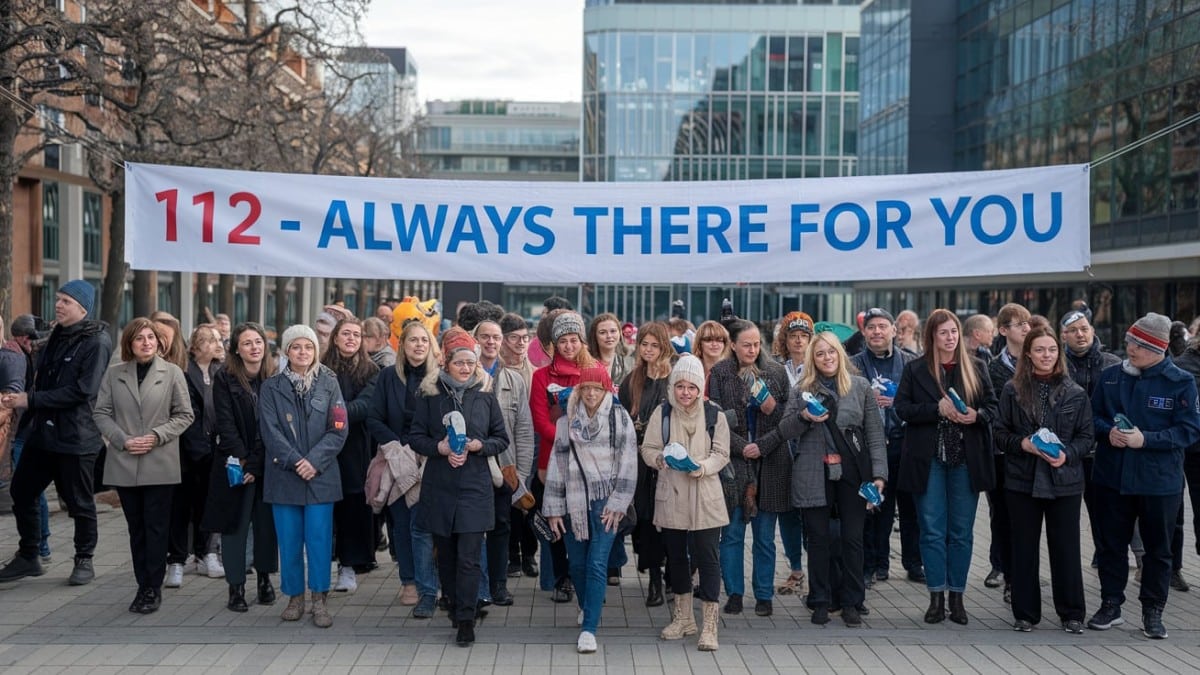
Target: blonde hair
809, 380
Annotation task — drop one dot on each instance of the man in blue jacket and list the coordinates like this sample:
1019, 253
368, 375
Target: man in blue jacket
1138, 474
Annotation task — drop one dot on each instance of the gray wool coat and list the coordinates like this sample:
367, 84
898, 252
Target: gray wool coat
160, 405
295, 427
856, 409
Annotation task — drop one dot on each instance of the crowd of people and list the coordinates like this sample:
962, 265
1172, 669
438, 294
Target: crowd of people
465, 452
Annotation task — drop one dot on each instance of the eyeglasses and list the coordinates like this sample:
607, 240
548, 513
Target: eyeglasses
513, 337
713, 338
1017, 324
463, 364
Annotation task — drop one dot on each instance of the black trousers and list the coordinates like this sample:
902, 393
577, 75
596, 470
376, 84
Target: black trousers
72, 478
852, 511
187, 511
1155, 518
458, 571
522, 542
1061, 516
497, 540
354, 525
251, 509
696, 548
558, 549
1000, 553
877, 531
1191, 469
147, 511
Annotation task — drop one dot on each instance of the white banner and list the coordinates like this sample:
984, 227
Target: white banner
815, 229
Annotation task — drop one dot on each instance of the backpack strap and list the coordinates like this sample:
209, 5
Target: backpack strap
711, 410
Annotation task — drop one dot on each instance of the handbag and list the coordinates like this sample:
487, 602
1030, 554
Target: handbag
541, 527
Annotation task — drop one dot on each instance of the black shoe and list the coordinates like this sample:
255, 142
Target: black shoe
501, 597
763, 608
382, 544
237, 598
466, 634
529, 567
958, 613
881, 574
862, 609
734, 604
614, 576
1152, 625
563, 592
1178, 582
151, 601
20, 567
868, 581
917, 575
1106, 617
992, 580
820, 615
138, 600
444, 604
851, 617
480, 612
1007, 593
266, 592
514, 570
1022, 626
1073, 626
83, 573
937, 607
654, 593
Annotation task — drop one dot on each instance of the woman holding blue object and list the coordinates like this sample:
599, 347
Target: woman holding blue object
1044, 428
303, 422
947, 456
687, 441
457, 425
590, 482
839, 447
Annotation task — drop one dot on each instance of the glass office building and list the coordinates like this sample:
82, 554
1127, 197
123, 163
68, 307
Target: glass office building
686, 91
1040, 83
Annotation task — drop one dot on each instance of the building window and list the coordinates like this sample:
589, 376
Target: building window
50, 214
93, 217
52, 156
49, 288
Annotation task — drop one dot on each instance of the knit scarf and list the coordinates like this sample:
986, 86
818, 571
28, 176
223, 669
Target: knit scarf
302, 384
455, 388
592, 450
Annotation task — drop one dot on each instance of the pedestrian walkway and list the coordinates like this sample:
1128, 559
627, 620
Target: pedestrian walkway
49, 627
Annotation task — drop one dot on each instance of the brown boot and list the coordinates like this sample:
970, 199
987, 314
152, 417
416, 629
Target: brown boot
708, 632
320, 611
294, 609
683, 619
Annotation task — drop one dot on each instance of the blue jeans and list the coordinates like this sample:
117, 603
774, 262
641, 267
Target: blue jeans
588, 562
733, 549
304, 530
791, 531
43, 508
414, 548
947, 515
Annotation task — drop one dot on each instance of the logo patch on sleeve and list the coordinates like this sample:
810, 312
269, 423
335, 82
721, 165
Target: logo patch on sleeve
1161, 403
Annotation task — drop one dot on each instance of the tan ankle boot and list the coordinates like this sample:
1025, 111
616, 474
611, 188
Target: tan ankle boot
294, 609
320, 611
683, 619
708, 633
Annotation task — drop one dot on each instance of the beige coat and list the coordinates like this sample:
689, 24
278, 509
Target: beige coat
683, 501
123, 409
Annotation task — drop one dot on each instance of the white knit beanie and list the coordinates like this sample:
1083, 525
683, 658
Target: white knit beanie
688, 369
295, 332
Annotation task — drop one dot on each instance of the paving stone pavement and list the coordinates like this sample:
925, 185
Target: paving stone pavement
49, 627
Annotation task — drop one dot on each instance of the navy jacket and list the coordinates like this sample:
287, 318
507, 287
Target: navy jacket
65, 384
1161, 402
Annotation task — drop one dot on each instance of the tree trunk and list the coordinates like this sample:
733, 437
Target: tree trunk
145, 296
6, 237
112, 296
281, 300
254, 308
225, 294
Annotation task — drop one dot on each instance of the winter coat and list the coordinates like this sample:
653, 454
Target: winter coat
358, 449
67, 379
545, 413
683, 501
124, 409
392, 403
773, 472
237, 435
891, 367
311, 426
917, 404
654, 394
1161, 402
457, 500
1085, 368
855, 410
513, 396
1070, 418
196, 442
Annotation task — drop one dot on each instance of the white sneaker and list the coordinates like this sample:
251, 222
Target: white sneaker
347, 581
212, 566
579, 619
174, 577
193, 565
587, 643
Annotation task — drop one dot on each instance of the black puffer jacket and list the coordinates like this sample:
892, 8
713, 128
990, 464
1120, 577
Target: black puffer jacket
69, 371
1085, 368
1070, 418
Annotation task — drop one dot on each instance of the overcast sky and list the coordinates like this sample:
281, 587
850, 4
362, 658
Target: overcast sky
525, 50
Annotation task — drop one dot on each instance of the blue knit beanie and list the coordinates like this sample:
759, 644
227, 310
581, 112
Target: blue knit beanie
82, 292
